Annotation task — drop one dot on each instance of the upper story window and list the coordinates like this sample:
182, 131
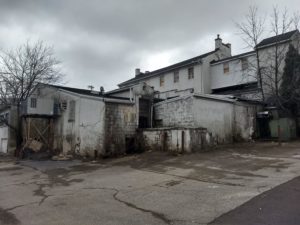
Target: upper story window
161, 81
191, 73
176, 76
32, 102
72, 108
226, 67
3, 119
245, 64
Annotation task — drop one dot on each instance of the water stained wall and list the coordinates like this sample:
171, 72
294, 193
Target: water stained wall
176, 140
120, 125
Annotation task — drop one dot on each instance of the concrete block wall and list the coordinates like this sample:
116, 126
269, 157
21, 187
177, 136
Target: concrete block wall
120, 124
226, 121
175, 113
176, 140
245, 122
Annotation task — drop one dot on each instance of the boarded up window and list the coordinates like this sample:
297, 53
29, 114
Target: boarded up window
162, 81
72, 111
244, 64
226, 67
32, 102
191, 73
176, 76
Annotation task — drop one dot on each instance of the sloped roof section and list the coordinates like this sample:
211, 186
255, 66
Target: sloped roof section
86, 92
276, 39
168, 68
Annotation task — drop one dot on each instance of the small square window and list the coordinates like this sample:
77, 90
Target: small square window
191, 73
226, 67
32, 102
161, 81
245, 64
176, 76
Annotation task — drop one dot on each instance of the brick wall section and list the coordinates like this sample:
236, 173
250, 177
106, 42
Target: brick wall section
120, 123
177, 113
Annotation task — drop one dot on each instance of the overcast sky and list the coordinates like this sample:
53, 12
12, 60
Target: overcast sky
102, 42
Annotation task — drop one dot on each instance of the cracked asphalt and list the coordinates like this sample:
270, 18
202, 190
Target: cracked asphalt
149, 188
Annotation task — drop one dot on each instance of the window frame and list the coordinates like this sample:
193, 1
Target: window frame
162, 81
226, 68
33, 103
244, 64
176, 76
191, 73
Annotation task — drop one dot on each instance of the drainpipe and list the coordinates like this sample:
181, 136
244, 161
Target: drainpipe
151, 114
130, 95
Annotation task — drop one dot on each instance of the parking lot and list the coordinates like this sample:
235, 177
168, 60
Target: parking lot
148, 188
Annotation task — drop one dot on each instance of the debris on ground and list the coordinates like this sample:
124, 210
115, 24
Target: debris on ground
62, 157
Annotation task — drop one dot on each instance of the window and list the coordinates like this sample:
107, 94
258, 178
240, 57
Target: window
71, 111
176, 76
191, 73
244, 62
3, 119
32, 102
226, 67
161, 81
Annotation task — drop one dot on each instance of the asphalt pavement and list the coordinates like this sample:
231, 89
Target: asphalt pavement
278, 206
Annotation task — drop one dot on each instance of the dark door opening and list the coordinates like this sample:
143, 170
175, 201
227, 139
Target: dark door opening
144, 113
130, 146
143, 122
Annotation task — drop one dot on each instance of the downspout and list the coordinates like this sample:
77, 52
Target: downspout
130, 95
151, 114
201, 77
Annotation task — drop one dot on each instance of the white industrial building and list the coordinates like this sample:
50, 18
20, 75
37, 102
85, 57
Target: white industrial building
213, 97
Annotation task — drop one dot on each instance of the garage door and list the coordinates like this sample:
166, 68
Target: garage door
3, 145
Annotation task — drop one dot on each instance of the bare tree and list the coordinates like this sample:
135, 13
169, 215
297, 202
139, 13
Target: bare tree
252, 31
21, 70
296, 20
269, 63
274, 58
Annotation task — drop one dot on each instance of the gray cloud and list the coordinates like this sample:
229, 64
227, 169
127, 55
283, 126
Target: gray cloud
101, 42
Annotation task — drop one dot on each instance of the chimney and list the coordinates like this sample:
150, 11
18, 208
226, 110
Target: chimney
137, 71
229, 47
218, 42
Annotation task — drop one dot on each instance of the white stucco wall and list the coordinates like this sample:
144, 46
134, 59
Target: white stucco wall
44, 101
82, 135
216, 116
235, 76
91, 124
87, 130
85, 133
7, 134
3, 139
182, 84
